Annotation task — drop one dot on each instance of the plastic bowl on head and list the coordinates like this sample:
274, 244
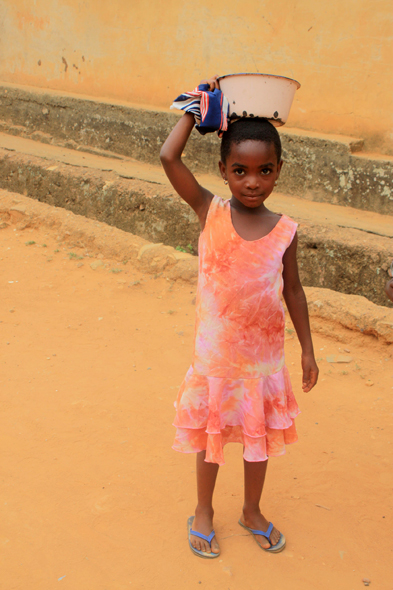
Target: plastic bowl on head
259, 95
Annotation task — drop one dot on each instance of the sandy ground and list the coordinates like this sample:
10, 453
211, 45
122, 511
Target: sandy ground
93, 497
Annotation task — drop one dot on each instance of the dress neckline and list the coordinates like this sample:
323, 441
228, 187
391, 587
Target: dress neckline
250, 241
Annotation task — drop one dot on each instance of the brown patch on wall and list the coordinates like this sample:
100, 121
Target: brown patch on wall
27, 18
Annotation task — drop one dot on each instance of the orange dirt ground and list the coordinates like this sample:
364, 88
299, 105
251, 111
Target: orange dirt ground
93, 497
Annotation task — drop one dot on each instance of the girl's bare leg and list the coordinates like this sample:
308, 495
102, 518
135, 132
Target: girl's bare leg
203, 522
254, 478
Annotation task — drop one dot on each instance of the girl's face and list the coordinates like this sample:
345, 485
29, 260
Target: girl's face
251, 170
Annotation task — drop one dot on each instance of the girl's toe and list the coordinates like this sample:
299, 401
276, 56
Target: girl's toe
275, 537
215, 548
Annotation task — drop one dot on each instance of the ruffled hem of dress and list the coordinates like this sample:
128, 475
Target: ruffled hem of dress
258, 413
255, 449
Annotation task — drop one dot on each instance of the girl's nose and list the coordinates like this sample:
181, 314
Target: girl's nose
252, 182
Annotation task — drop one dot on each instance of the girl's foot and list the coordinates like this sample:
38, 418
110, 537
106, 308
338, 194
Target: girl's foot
256, 520
203, 523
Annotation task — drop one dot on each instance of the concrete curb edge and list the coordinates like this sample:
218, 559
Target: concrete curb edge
350, 311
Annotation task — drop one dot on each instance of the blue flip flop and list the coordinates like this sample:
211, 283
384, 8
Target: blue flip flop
209, 538
273, 548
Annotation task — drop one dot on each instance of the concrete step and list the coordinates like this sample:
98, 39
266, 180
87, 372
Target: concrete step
318, 213
343, 249
321, 168
330, 311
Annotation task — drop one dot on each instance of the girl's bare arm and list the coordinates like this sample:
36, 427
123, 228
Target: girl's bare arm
297, 306
182, 180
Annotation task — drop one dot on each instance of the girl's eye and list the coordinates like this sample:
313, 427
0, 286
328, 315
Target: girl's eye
239, 172
266, 171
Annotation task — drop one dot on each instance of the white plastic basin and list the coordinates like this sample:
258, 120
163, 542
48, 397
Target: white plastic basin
259, 95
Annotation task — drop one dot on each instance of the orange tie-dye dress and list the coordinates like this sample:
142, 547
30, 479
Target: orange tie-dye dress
238, 388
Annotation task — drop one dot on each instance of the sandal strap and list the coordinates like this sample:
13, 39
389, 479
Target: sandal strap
266, 534
202, 536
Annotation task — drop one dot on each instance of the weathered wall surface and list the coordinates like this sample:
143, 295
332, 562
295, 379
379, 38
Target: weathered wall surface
147, 52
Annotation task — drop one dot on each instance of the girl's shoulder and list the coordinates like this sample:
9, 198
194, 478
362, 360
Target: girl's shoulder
214, 212
288, 228
288, 220
217, 206
219, 202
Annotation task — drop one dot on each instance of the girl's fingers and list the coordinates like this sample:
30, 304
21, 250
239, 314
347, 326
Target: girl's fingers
306, 377
310, 372
310, 380
213, 83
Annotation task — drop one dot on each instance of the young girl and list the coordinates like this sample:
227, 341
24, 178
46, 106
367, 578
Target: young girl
237, 388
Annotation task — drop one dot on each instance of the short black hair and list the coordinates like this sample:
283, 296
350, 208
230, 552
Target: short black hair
255, 129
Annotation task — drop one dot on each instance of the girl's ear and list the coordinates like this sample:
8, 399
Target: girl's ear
279, 168
223, 170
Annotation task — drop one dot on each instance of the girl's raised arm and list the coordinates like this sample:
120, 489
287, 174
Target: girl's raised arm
181, 178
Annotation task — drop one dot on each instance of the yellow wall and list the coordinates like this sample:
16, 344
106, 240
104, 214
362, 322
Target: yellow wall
148, 51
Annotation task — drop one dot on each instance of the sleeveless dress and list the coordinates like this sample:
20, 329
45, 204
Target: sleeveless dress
238, 388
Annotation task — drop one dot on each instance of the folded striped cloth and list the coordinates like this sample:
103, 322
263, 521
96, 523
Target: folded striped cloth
210, 109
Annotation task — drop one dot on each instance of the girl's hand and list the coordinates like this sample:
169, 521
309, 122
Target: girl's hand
310, 372
213, 83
